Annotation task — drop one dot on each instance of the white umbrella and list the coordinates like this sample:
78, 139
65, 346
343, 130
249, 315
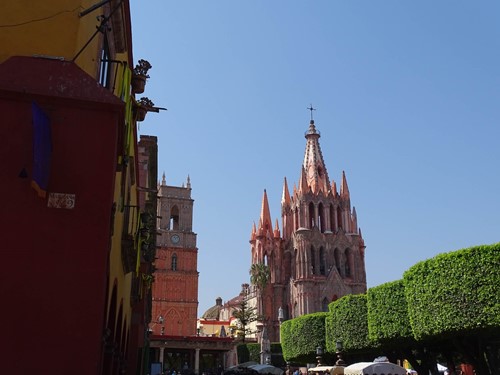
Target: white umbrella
247, 364
369, 368
267, 369
242, 366
441, 368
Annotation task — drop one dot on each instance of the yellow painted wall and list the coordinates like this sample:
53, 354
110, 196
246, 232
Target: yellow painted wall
130, 198
50, 28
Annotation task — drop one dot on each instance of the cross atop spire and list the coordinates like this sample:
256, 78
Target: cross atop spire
311, 109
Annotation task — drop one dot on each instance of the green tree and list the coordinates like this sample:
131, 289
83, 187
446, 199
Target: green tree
245, 315
348, 322
454, 297
302, 335
389, 325
260, 276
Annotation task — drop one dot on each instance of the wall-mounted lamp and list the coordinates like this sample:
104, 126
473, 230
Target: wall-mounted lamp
161, 321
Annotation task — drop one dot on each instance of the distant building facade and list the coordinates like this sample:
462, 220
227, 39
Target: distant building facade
219, 320
175, 290
176, 338
319, 257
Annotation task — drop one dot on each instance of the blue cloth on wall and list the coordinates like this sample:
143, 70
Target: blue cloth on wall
42, 150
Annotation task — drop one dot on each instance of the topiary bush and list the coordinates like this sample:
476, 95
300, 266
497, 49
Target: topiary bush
347, 322
456, 292
301, 336
388, 320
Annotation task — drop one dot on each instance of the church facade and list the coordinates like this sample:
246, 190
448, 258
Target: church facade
318, 256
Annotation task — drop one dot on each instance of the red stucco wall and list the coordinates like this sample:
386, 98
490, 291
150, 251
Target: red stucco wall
55, 261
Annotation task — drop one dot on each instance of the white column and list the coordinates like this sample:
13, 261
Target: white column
162, 350
197, 361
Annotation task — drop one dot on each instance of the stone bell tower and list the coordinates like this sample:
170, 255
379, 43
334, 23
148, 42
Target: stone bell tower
175, 290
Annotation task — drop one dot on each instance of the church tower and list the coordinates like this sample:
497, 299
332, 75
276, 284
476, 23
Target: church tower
320, 255
175, 290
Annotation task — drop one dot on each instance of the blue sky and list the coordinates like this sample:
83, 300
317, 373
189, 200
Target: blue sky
408, 105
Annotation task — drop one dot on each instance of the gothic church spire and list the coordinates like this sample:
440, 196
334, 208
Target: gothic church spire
265, 215
314, 166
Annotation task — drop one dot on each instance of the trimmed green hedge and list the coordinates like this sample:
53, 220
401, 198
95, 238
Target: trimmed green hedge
347, 322
455, 292
248, 352
448, 305
301, 336
388, 320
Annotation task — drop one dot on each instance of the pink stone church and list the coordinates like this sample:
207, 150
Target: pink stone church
318, 256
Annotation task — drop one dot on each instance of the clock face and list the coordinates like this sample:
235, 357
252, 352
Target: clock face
175, 239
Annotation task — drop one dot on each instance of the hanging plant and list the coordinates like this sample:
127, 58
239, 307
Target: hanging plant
142, 68
139, 76
146, 102
142, 106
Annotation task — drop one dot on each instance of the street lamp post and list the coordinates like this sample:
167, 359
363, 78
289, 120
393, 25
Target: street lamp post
319, 354
160, 321
339, 346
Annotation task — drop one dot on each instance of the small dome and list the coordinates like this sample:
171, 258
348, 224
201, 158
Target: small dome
213, 312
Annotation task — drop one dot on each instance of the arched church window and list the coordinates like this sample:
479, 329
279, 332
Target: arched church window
174, 262
336, 254
348, 262
174, 218
322, 261
324, 305
312, 219
313, 261
288, 265
332, 218
286, 312
321, 218
339, 217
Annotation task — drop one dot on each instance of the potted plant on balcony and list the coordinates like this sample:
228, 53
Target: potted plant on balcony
139, 76
141, 107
